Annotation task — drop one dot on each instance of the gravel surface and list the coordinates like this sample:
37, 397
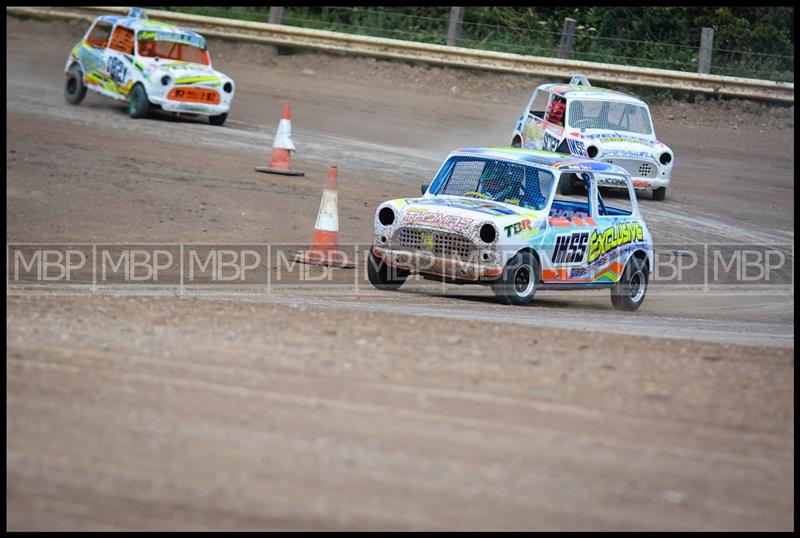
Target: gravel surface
374, 410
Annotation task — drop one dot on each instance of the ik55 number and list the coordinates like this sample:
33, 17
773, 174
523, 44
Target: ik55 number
570, 248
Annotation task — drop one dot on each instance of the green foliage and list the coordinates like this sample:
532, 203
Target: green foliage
753, 42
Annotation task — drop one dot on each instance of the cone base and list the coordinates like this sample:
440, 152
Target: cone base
283, 171
320, 258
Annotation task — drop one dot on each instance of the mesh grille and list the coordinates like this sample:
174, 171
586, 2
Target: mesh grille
440, 244
634, 167
498, 180
610, 116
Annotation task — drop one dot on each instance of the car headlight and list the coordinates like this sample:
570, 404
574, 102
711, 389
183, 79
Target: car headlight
488, 233
665, 158
165, 80
386, 216
228, 87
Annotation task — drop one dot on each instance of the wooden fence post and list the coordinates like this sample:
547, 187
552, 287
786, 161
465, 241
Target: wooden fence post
567, 38
454, 28
275, 15
704, 57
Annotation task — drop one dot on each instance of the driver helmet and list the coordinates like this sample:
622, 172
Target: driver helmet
492, 182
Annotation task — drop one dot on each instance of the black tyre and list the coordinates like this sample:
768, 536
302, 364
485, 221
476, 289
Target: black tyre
218, 120
629, 292
75, 89
517, 284
659, 193
383, 276
139, 105
565, 185
516, 143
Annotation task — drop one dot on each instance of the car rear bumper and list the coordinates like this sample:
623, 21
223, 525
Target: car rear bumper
421, 262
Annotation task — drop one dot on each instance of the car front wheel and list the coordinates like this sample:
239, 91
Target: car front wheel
628, 293
218, 120
659, 193
517, 284
75, 90
383, 276
139, 105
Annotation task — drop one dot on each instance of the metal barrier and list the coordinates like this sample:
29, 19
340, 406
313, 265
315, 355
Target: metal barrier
290, 36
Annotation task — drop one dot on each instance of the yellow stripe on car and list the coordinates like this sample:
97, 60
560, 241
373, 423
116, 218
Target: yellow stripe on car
190, 80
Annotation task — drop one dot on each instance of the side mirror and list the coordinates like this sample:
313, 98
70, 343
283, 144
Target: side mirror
424, 188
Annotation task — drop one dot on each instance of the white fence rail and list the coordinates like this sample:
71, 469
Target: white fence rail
290, 36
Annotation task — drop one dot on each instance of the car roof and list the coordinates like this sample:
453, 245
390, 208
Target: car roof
136, 24
556, 161
579, 91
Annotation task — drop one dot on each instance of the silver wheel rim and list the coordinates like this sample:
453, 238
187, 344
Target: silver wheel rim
523, 281
637, 286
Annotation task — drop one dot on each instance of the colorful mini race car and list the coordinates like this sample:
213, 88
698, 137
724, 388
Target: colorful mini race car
151, 64
493, 216
610, 126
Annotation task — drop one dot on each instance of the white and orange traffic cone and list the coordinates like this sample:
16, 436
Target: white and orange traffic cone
325, 240
280, 162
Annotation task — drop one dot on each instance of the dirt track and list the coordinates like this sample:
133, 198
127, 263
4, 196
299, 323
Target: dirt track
230, 412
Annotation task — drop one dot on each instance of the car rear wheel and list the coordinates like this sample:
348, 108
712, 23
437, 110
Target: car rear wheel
139, 105
75, 90
628, 293
383, 276
517, 284
659, 193
218, 120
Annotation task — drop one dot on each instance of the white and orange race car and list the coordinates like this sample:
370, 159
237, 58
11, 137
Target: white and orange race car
606, 125
150, 64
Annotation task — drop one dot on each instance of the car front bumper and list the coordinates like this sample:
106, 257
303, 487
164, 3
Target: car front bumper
190, 108
639, 183
422, 262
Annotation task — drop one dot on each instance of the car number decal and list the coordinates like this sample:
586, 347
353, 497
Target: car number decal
117, 70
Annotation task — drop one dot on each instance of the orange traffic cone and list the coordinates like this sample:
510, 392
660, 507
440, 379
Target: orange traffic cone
280, 162
325, 241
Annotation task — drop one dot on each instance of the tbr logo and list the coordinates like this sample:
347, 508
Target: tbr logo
613, 237
570, 248
518, 227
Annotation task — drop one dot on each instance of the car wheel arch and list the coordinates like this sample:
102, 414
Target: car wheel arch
642, 255
534, 253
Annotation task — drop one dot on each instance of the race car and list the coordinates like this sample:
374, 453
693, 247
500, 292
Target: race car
610, 126
150, 64
492, 216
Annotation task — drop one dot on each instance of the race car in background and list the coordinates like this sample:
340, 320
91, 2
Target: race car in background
150, 64
492, 216
610, 126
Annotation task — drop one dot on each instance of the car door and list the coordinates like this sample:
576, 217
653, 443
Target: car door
92, 54
532, 131
553, 123
119, 59
570, 225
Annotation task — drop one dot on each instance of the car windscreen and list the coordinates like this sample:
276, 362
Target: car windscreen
498, 180
609, 115
170, 46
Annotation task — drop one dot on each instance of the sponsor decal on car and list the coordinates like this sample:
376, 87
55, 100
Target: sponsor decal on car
612, 237
439, 220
